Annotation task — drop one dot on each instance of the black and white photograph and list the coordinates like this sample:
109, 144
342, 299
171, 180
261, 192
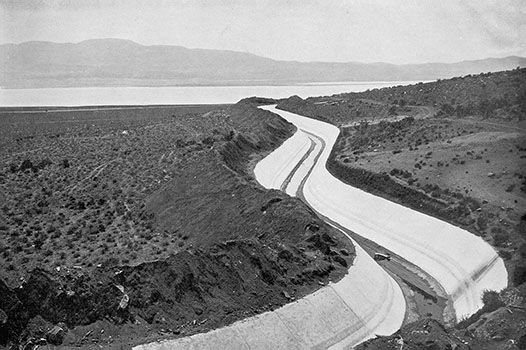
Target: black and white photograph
263, 174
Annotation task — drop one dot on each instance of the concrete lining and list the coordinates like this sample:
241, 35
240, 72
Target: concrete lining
367, 301
464, 264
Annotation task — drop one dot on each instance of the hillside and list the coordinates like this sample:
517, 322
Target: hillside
113, 62
453, 149
120, 226
490, 95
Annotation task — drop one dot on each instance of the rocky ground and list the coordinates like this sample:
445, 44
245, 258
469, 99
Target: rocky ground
126, 226
499, 325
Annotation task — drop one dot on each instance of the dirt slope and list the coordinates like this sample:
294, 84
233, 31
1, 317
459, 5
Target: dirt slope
191, 241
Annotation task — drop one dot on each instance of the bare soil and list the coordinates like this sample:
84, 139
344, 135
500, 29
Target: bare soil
129, 225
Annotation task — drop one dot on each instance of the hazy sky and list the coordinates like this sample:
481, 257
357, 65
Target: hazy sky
397, 31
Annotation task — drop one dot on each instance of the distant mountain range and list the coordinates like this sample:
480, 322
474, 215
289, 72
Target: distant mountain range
115, 62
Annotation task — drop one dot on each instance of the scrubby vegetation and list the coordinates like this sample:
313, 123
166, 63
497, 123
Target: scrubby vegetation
488, 95
74, 184
500, 94
148, 220
448, 151
453, 149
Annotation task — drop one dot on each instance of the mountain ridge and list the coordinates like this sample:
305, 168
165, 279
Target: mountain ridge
113, 62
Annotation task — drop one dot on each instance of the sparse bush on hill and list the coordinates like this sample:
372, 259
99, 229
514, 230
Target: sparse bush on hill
165, 191
365, 152
487, 95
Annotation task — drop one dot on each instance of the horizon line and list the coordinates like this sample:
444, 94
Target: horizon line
256, 55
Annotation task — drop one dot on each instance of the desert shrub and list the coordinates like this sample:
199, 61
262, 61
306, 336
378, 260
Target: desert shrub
489, 298
500, 238
505, 255
482, 222
491, 302
65, 163
27, 165
522, 226
38, 243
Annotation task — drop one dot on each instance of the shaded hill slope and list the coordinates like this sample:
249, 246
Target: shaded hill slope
170, 238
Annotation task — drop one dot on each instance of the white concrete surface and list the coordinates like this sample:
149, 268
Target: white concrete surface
367, 301
464, 264
275, 173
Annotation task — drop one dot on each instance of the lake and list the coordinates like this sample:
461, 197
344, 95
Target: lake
175, 94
